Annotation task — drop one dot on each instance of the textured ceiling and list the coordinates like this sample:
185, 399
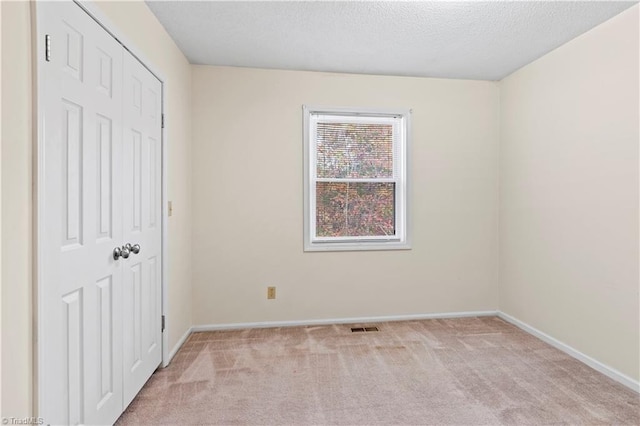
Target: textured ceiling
471, 40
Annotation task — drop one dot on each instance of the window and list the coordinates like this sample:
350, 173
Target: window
355, 167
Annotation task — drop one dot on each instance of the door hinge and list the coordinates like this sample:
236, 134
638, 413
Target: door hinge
162, 329
47, 48
162, 120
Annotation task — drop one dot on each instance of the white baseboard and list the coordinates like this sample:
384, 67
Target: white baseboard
596, 365
328, 321
177, 347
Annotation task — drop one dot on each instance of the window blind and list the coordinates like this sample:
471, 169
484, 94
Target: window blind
354, 150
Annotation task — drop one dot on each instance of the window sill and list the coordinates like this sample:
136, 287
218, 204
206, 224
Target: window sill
314, 247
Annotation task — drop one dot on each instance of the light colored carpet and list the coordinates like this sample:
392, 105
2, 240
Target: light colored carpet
466, 371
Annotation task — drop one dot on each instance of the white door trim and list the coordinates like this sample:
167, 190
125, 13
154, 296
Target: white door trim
39, 51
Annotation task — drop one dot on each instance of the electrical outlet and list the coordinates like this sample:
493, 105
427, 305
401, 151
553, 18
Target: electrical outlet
271, 292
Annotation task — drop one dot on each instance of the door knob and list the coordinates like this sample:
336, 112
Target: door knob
124, 252
120, 252
135, 249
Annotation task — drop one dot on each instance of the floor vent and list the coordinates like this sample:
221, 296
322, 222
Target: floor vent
363, 329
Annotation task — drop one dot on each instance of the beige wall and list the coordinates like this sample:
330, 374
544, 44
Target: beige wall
569, 194
140, 27
16, 210
247, 199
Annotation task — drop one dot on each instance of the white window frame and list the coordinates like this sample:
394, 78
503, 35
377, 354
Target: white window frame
400, 119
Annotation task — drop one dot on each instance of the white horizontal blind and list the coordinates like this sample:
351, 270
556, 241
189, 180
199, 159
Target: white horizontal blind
354, 150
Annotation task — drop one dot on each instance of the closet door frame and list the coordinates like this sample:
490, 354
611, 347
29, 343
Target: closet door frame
39, 58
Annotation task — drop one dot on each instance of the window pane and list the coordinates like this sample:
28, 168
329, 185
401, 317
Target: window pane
355, 209
354, 150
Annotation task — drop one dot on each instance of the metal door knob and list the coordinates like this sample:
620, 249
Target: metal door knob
120, 252
124, 252
135, 249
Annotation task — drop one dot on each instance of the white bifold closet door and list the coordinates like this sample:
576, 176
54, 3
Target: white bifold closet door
99, 318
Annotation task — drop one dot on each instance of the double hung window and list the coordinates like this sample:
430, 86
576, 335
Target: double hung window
355, 179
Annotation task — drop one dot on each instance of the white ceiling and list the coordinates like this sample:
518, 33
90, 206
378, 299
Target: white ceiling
471, 40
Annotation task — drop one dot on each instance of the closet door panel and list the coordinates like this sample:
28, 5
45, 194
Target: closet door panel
142, 196
80, 283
